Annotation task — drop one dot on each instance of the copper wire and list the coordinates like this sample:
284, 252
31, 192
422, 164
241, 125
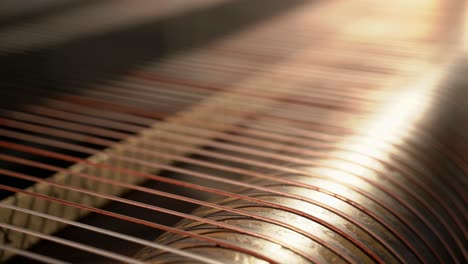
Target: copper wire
100, 133
271, 147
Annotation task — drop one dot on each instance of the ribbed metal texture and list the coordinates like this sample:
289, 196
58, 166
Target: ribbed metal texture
332, 132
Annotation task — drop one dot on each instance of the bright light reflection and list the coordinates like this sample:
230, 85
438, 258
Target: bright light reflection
400, 115
465, 30
377, 136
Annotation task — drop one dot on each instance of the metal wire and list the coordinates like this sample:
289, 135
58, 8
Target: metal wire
318, 147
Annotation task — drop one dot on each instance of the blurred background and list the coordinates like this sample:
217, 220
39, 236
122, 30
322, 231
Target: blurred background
330, 131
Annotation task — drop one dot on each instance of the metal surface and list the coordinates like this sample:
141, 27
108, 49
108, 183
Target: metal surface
334, 132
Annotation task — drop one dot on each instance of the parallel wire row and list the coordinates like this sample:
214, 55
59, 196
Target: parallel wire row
265, 153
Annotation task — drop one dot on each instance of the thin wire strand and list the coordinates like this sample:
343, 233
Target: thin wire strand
191, 217
94, 250
256, 175
197, 187
143, 222
32, 255
115, 234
